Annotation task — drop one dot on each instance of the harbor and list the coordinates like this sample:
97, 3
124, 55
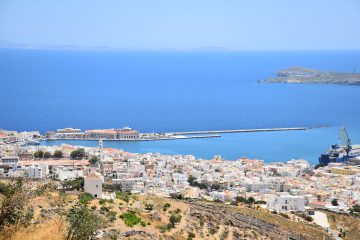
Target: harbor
128, 134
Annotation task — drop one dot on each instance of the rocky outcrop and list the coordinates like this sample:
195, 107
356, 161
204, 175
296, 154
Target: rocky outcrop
138, 232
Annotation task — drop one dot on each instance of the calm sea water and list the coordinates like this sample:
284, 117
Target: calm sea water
179, 91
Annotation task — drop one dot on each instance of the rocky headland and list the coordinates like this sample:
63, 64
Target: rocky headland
307, 75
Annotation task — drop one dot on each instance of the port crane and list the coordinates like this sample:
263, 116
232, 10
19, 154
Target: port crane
346, 140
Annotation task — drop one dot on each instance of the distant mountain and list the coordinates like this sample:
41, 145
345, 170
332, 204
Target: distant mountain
5, 44
211, 49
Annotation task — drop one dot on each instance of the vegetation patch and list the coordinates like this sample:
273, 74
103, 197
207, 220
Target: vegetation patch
130, 219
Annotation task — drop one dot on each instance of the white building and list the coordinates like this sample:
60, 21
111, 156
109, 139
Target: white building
37, 171
93, 184
223, 196
285, 203
129, 184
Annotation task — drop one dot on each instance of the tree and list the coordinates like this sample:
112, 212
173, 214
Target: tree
58, 154
47, 155
93, 160
175, 218
83, 223
14, 208
251, 201
334, 202
77, 183
240, 199
191, 180
78, 154
39, 154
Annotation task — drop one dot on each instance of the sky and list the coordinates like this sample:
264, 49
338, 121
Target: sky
184, 24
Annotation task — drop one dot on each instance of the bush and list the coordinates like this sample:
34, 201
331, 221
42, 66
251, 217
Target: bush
111, 216
142, 223
174, 219
166, 207
104, 209
191, 236
125, 196
309, 218
130, 219
85, 198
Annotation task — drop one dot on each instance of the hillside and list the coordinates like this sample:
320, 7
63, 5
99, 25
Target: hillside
144, 217
306, 75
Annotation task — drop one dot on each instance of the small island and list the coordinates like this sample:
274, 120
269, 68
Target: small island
306, 75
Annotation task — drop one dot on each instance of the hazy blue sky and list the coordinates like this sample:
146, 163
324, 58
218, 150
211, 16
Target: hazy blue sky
234, 24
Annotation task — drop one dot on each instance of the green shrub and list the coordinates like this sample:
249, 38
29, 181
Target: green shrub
85, 198
111, 216
104, 209
125, 196
175, 218
166, 207
191, 235
130, 219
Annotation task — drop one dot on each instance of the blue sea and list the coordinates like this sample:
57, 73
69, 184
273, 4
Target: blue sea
181, 91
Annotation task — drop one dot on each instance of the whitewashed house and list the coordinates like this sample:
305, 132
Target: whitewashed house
285, 203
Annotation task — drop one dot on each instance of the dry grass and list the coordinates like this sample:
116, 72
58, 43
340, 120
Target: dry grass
54, 230
349, 223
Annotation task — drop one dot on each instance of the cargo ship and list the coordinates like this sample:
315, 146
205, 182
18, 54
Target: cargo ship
346, 153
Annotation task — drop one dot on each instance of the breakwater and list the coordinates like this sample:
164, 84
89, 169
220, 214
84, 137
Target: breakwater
242, 130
